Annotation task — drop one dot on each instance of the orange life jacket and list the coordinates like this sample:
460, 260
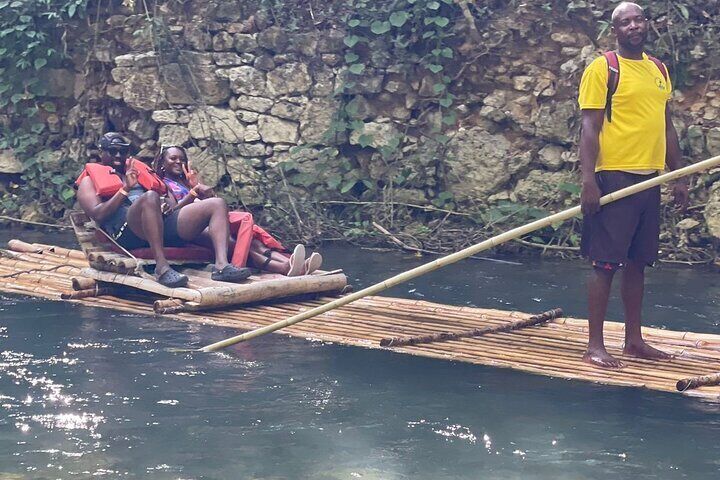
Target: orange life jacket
107, 182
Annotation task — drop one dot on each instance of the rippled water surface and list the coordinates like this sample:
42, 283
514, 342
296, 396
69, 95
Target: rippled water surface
88, 393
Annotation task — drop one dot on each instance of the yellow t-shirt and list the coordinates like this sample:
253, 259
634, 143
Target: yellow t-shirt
635, 139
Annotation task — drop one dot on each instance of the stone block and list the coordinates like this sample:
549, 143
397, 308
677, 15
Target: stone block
274, 39
255, 104
171, 116
9, 163
215, 123
173, 135
227, 59
222, 42
277, 130
246, 80
289, 79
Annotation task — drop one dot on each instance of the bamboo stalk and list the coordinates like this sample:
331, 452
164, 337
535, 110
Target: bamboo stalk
83, 283
62, 251
168, 306
89, 292
696, 382
19, 246
457, 256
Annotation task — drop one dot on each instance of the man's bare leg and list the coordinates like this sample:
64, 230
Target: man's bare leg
599, 284
145, 219
632, 288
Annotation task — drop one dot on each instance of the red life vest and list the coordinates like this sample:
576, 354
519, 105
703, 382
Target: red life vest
107, 182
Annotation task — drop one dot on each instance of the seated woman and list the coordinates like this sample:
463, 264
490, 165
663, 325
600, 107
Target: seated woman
257, 248
124, 196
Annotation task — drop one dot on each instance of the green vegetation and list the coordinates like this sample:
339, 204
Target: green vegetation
32, 41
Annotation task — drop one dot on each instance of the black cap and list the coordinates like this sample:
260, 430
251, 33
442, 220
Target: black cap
113, 139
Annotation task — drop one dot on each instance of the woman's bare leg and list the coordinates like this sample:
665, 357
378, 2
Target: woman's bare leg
212, 214
257, 260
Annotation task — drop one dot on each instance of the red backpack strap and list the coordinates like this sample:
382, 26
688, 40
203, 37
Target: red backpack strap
613, 80
660, 65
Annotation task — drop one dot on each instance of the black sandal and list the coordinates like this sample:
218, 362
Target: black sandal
230, 273
172, 279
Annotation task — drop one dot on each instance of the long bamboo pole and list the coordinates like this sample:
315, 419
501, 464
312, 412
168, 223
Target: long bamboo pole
462, 254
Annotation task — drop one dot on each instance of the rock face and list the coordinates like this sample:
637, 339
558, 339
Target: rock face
477, 164
553, 121
211, 165
289, 79
143, 91
246, 80
8, 162
195, 83
173, 135
277, 130
216, 123
712, 212
541, 187
316, 120
246, 85
375, 135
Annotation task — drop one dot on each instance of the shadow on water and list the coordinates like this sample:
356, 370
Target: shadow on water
85, 392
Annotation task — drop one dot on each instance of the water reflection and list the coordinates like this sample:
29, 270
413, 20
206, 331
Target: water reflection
90, 393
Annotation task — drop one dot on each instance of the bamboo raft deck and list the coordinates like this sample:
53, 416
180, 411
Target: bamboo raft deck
552, 349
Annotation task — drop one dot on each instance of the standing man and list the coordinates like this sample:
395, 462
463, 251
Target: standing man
627, 137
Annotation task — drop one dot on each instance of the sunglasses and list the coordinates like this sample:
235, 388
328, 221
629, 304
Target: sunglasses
167, 147
114, 151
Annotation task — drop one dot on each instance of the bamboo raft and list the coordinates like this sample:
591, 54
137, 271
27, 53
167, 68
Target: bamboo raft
553, 348
107, 264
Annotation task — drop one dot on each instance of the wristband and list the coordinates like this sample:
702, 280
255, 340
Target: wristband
122, 191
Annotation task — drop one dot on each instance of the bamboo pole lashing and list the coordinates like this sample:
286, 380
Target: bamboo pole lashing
476, 332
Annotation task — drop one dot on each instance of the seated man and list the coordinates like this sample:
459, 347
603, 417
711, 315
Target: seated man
125, 198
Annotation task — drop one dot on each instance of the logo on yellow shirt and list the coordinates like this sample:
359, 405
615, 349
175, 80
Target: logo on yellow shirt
660, 83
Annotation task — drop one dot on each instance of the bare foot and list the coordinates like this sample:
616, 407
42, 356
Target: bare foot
601, 358
643, 350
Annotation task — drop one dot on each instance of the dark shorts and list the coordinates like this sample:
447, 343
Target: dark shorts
627, 229
119, 230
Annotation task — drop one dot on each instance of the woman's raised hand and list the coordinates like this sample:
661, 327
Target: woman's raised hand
204, 191
191, 175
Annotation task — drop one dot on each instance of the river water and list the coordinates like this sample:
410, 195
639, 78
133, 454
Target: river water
88, 393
